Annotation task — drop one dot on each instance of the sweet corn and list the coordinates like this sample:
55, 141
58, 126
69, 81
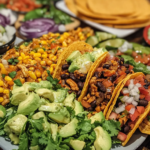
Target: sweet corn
22, 80
39, 79
32, 75
57, 34
89, 34
82, 37
1, 99
45, 35
38, 73
80, 34
64, 44
32, 53
44, 55
51, 70
49, 62
1, 65
31, 68
53, 65
37, 59
51, 40
51, 56
61, 39
1, 90
66, 34
37, 55
22, 46
6, 91
43, 63
41, 50
33, 62
43, 42
7, 78
54, 58
1, 83
19, 58
23, 55
17, 53
3, 70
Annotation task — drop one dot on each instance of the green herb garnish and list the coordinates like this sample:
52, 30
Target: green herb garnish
122, 116
148, 118
3, 75
18, 82
12, 74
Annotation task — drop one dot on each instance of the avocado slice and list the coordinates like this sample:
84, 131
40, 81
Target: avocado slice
78, 107
31, 86
77, 145
51, 107
69, 101
34, 147
54, 130
103, 139
97, 117
2, 112
73, 56
92, 40
69, 129
39, 115
14, 138
18, 89
29, 105
45, 84
18, 97
62, 116
46, 93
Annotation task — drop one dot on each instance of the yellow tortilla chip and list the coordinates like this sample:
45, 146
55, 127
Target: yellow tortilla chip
145, 126
141, 117
72, 6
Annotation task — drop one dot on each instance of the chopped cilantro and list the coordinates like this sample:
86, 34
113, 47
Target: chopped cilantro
58, 37
3, 75
148, 118
12, 74
16, 47
18, 82
26, 43
59, 48
122, 116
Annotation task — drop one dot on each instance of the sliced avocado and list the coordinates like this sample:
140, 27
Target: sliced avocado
14, 138
45, 84
51, 107
97, 52
31, 86
46, 93
104, 36
69, 101
69, 129
29, 105
103, 139
114, 43
77, 145
62, 116
98, 117
2, 29
17, 89
78, 107
60, 95
34, 147
82, 62
92, 40
39, 115
92, 148
73, 56
2, 112
54, 130
18, 97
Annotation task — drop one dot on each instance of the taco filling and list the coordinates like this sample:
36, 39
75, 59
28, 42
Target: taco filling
102, 84
76, 68
130, 104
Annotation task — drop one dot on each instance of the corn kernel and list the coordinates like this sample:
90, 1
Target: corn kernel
44, 55
37, 59
31, 68
31, 53
53, 65
6, 91
41, 50
80, 34
32, 75
57, 34
22, 80
81, 37
64, 44
1, 65
7, 78
66, 34
37, 55
51, 70
45, 35
54, 58
1, 99
39, 79
52, 40
1, 83
23, 55
22, 46
38, 73
89, 34
26, 57
61, 39
3, 70
51, 56
43, 42
33, 62
43, 63
17, 53
1, 90
49, 62
19, 58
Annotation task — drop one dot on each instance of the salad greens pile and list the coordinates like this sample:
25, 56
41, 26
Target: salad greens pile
45, 116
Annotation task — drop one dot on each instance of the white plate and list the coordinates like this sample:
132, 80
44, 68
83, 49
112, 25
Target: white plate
119, 32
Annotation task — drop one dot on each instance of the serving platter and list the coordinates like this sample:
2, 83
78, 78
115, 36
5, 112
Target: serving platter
119, 32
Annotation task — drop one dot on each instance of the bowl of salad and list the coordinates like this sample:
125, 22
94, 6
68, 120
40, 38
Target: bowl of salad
7, 38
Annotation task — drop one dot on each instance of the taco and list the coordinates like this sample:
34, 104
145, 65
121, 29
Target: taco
130, 105
75, 63
103, 83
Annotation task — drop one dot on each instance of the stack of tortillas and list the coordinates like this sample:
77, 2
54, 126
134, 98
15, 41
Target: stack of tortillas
114, 13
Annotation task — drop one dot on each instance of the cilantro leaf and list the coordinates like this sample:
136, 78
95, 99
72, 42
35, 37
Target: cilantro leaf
12, 74
82, 115
2, 132
23, 142
18, 82
71, 111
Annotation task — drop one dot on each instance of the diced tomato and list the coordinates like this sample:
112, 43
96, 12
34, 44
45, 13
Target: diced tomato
107, 83
147, 97
130, 67
109, 73
139, 79
131, 124
120, 72
134, 116
140, 109
100, 69
85, 104
142, 96
143, 91
128, 107
113, 115
134, 54
121, 136
53, 45
127, 83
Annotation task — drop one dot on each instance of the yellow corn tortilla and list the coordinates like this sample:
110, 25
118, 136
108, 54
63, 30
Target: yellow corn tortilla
91, 73
145, 126
72, 6
141, 117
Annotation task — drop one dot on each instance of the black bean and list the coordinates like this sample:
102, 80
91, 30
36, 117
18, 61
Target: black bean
96, 74
93, 104
145, 81
65, 67
78, 93
80, 85
89, 90
106, 66
113, 77
143, 102
100, 99
126, 65
90, 109
82, 78
72, 77
127, 71
101, 87
64, 76
126, 129
122, 61
146, 86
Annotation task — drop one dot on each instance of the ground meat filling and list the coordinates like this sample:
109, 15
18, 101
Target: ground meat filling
103, 82
73, 81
